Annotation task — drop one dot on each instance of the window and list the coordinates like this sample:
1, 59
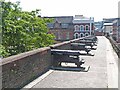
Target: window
86, 27
59, 35
81, 27
68, 35
64, 25
76, 27
50, 25
55, 34
81, 35
86, 34
76, 35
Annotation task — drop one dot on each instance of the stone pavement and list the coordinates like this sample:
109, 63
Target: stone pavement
103, 72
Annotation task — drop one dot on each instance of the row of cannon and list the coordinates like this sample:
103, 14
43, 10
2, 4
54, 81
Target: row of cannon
74, 55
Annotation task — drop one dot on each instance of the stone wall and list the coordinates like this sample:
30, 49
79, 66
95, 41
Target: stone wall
21, 69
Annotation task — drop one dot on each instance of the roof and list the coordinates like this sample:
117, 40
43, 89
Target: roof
63, 22
109, 20
108, 24
81, 17
62, 19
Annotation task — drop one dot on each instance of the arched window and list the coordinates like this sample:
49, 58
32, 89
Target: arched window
86, 27
81, 28
76, 27
81, 35
86, 34
76, 35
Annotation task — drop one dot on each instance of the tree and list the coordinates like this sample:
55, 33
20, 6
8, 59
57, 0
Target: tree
23, 31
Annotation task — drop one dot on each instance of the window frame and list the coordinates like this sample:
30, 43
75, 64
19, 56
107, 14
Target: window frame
82, 27
76, 27
86, 27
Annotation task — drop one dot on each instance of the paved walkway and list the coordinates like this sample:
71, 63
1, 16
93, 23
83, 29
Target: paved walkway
103, 72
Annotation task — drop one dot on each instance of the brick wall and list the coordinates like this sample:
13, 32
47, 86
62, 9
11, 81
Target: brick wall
97, 33
21, 69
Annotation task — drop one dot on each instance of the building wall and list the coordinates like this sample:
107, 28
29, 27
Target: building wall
62, 34
108, 29
98, 33
62, 28
118, 30
84, 31
80, 22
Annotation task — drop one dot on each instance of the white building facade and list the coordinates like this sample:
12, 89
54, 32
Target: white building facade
108, 28
83, 26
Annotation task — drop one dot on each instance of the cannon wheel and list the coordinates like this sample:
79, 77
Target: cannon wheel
87, 52
78, 64
91, 46
59, 64
56, 64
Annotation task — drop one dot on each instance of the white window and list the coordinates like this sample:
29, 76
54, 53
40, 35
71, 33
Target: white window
81, 28
86, 27
81, 34
64, 25
68, 35
86, 34
59, 35
76, 27
76, 35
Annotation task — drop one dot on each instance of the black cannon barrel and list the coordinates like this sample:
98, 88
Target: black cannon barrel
65, 52
77, 44
86, 41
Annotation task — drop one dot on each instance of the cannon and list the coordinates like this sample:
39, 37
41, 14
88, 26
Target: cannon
80, 46
93, 40
87, 43
67, 56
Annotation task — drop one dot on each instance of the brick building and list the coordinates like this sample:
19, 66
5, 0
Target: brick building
61, 27
83, 26
116, 30
67, 28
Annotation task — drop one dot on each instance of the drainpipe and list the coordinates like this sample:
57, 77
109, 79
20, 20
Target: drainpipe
90, 28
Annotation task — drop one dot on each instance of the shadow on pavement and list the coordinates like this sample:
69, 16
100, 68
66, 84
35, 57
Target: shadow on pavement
69, 68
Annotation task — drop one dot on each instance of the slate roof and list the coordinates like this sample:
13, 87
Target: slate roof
62, 19
109, 20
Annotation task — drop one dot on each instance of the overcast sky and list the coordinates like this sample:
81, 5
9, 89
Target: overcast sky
90, 8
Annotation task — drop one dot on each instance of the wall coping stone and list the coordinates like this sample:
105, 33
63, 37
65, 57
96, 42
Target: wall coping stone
22, 55
59, 44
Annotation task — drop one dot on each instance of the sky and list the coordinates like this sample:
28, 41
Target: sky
98, 9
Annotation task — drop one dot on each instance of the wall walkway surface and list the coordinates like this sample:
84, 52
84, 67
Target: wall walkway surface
103, 72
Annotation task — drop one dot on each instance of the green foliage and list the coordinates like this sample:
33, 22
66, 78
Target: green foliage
22, 31
3, 53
